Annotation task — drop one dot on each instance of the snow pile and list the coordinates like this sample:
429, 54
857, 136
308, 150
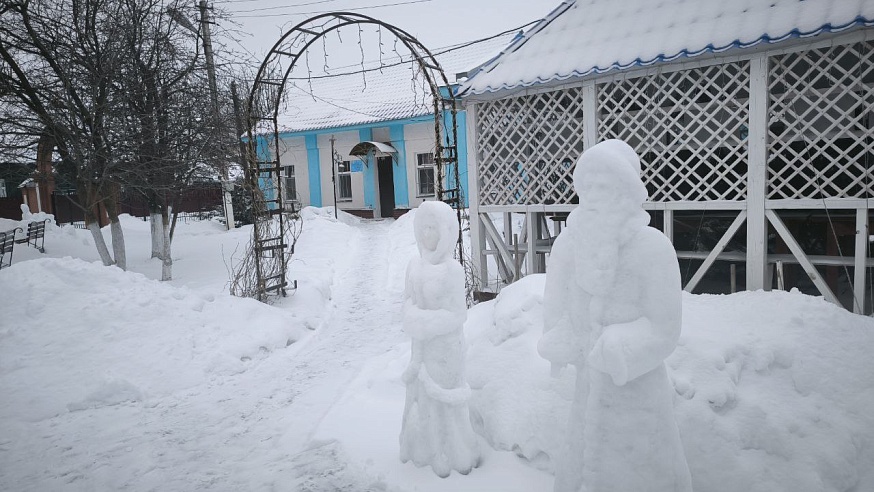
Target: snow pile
112, 381
121, 338
775, 393
773, 390
28, 216
503, 358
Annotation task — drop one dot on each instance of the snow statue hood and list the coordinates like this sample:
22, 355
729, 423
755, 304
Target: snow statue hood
436, 231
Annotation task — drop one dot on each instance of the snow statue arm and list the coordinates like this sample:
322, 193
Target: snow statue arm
626, 351
422, 324
443, 311
559, 344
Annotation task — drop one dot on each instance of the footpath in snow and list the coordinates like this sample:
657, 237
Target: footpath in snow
112, 380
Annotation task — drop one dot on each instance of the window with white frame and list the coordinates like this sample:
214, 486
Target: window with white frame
344, 181
289, 184
425, 172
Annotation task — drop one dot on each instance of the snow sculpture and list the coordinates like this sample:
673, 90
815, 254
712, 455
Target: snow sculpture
436, 429
612, 306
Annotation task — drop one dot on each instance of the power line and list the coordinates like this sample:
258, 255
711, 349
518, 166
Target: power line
277, 7
285, 14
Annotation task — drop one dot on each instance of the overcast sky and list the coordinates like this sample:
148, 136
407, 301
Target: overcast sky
436, 23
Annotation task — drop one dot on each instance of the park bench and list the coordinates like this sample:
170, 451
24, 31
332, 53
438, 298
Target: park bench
7, 244
36, 235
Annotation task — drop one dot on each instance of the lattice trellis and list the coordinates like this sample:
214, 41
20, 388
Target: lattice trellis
527, 147
689, 128
820, 138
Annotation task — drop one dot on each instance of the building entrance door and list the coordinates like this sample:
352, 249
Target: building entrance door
386, 186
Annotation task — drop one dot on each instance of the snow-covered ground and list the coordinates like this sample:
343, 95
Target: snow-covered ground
112, 380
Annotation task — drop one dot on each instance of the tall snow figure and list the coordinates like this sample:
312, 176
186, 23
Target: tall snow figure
613, 310
436, 429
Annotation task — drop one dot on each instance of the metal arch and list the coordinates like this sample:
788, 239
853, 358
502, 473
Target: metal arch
271, 258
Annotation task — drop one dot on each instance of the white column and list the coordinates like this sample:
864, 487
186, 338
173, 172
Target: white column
38, 199
590, 115
859, 271
757, 179
477, 234
531, 256
668, 219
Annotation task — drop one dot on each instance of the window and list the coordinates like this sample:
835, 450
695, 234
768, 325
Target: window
425, 174
2, 188
344, 181
289, 184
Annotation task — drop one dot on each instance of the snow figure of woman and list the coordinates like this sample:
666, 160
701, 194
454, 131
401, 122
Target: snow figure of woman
613, 309
436, 429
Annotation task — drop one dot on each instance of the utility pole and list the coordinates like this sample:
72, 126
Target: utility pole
207, 52
227, 186
239, 125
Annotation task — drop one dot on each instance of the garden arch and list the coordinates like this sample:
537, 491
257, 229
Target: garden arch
270, 249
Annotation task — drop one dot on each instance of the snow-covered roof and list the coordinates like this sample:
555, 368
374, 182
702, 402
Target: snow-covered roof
581, 37
377, 95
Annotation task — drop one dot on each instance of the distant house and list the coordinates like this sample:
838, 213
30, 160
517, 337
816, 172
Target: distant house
753, 120
381, 129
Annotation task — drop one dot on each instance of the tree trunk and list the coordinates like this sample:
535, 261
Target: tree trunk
167, 263
157, 234
118, 250
90, 205
173, 225
102, 250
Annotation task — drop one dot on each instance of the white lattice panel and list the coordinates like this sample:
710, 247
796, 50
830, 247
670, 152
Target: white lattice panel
820, 139
689, 127
527, 146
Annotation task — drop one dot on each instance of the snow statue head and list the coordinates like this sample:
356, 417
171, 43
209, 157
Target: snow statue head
607, 180
607, 174
612, 308
436, 230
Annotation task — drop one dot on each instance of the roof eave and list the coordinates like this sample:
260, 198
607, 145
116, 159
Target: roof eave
763, 43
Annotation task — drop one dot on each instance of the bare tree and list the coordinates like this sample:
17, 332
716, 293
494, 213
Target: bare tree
167, 113
120, 87
58, 59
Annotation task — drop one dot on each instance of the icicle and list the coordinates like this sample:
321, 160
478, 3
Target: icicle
309, 74
379, 32
361, 48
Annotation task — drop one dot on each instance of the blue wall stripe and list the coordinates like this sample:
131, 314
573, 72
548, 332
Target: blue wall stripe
366, 135
402, 194
314, 168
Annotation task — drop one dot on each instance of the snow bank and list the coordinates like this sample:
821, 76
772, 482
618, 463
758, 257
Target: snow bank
516, 405
774, 390
159, 386
97, 336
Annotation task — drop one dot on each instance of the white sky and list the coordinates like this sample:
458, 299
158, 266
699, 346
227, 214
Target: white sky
436, 23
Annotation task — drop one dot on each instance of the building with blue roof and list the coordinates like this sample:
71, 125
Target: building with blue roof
365, 138
753, 120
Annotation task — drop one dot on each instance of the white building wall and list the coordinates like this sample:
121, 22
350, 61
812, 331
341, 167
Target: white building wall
419, 139
293, 151
343, 143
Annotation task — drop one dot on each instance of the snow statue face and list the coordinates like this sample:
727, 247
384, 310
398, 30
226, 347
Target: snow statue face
436, 231
606, 172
